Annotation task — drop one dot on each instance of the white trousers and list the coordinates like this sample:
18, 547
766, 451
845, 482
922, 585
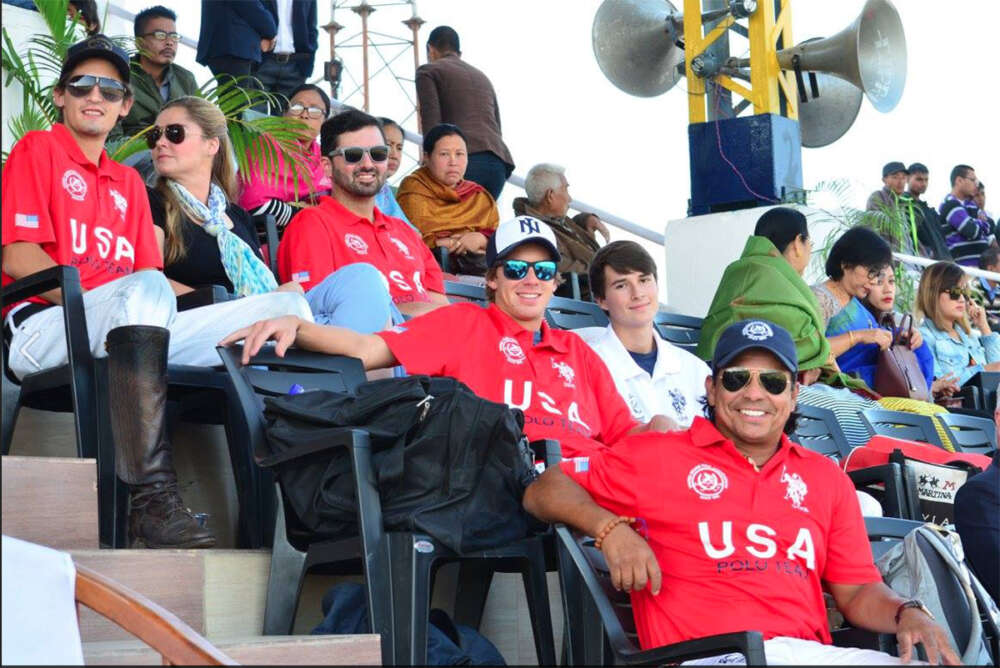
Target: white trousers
145, 298
783, 651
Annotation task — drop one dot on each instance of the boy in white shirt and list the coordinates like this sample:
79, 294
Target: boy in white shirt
653, 376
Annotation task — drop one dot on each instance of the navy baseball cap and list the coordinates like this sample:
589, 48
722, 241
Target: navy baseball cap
98, 46
893, 167
517, 231
755, 334
917, 167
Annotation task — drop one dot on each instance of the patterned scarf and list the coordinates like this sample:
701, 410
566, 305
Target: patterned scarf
247, 272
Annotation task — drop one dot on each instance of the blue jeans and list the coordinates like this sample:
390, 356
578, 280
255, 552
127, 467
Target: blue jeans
355, 296
279, 78
489, 171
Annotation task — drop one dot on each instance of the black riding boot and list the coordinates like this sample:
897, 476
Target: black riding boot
137, 380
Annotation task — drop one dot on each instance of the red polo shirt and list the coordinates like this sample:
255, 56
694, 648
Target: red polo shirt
562, 386
326, 237
92, 217
739, 549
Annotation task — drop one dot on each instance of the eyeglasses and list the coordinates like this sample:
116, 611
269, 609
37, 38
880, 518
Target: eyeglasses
736, 378
515, 270
175, 134
163, 35
957, 293
312, 112
111, 89
355, 154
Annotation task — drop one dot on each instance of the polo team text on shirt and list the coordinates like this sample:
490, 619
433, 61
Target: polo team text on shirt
324, 238
92, 217
562, 386
736, 546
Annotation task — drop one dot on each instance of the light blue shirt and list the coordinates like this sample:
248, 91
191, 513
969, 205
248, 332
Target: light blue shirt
387, 204
951, 356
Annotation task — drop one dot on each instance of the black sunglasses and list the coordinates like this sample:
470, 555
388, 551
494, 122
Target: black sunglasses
355, 154
515, 270
175, 134
736, 378
957, 292
111, 89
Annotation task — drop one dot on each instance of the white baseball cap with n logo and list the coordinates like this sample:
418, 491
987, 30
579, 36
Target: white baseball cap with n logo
512, 233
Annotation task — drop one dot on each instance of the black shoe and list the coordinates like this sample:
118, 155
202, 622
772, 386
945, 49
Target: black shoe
159, 519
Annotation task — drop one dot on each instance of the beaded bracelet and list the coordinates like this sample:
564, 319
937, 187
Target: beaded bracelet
612, 523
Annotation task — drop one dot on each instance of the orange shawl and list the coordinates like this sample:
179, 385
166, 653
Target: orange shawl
439, 211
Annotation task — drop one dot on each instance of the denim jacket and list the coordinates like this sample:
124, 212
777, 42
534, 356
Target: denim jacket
952, 356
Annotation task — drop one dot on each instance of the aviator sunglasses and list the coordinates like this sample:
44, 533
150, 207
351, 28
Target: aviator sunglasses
957, 293
355, 154
736, 378
515, 270
175, 134
111, 90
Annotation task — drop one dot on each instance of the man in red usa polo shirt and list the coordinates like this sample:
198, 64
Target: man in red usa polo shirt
348, 230
743, 528
504, 353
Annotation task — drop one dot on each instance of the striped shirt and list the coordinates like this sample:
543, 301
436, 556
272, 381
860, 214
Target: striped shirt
965, 233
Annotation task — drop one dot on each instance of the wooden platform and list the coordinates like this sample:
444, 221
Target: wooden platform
262, 651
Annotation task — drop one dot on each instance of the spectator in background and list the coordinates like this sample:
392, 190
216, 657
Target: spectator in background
385, 200
923, 215
450, 211
980, 200
155, 77
449, 90
966, 232
990, 261
943, 299
347, 241
86, 12
273, 190
887, 215
653, 376
548, 200
234, 34
592, 224
286, 67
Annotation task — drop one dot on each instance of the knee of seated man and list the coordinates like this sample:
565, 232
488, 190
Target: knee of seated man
361, 274
148, 299
287, 303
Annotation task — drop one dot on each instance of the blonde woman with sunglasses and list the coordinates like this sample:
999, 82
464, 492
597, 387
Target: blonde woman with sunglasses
960, 348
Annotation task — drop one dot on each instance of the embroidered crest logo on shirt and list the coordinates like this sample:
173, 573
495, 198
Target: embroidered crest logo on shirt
402, 247
356, 244
707, 481
678, 401
757, 330
120, 202
74, 184
511, 350
796, 489
26, 220
565, 372
634, 406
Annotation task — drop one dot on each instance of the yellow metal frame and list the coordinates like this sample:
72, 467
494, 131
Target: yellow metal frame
769, 85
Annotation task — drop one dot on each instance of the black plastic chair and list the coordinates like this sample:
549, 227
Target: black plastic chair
563, 313
603, 606
681, 330
969, 433
399, 566
457, 291
267, 235
982, 389
898, 424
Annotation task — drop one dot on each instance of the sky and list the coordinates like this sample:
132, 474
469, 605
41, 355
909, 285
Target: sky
629, 155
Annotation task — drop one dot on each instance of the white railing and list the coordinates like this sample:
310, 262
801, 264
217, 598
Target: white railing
926, 262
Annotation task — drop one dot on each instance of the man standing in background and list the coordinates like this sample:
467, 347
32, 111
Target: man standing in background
234, 34
449, 90
290, 62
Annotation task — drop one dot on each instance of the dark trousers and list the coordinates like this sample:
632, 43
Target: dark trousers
489, 171
236, 68
280, 75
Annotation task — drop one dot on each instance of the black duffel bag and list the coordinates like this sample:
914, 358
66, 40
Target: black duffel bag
447, 462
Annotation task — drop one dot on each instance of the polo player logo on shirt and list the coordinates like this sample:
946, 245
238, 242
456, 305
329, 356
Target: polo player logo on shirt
120, 202
511, 350
678, 401
707, 482
402, 247
635, 406
796, 490
757, 330
74, 184
565, 372
356, 244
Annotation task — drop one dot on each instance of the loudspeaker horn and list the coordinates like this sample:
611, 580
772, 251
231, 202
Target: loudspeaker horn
635, 45
826, 118
870, 53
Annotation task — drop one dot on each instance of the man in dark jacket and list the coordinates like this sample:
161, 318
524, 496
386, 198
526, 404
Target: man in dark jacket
449, 90
234, 34
923, 215
156, 79
289, 64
